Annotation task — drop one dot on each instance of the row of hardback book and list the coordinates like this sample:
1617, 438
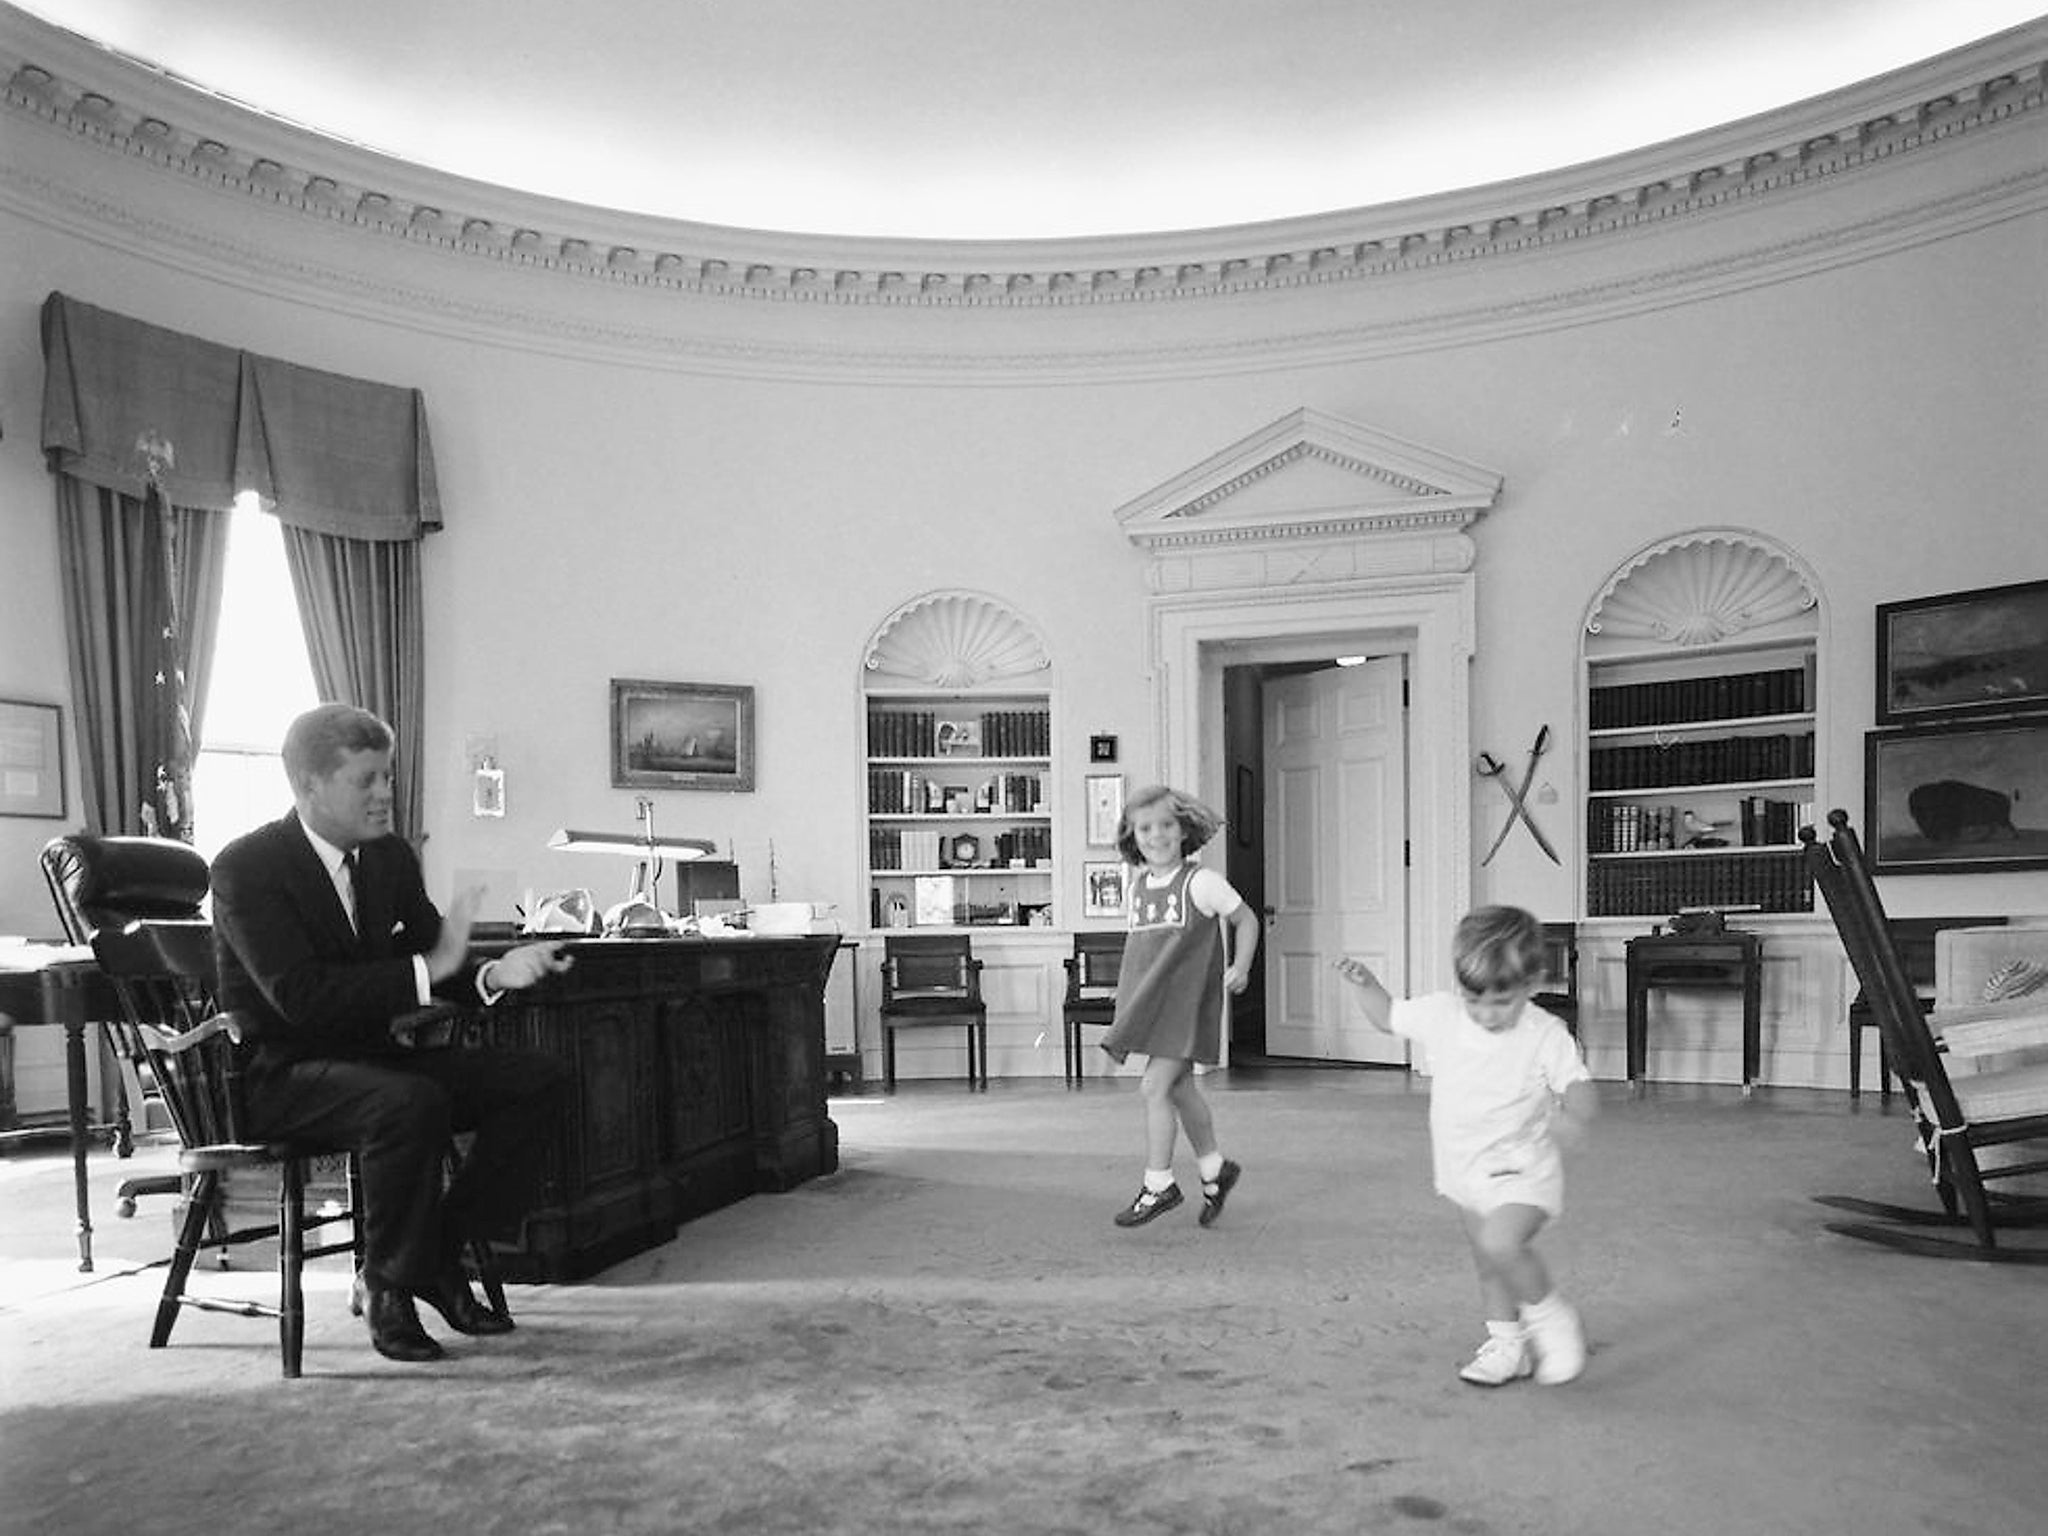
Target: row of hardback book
924, 848
1770, 882
1620, 826
1705, 760
908, 792
957, 733
1679, 700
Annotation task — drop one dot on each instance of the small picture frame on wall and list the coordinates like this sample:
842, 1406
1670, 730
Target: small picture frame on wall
682, 735
31, 759
1982, 652
1101, 749
1102, 893
1958, 798
1105, 798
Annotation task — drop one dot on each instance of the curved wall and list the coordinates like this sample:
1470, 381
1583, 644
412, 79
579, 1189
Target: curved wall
703, 455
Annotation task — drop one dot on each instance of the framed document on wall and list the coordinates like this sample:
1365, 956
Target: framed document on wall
31, 759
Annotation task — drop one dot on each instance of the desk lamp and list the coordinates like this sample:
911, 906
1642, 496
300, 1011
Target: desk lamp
651, 853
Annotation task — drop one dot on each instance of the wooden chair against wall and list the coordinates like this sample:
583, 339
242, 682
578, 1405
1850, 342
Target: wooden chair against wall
1092, 971
1558, 992
1959, 1116
933, 979
1914, 937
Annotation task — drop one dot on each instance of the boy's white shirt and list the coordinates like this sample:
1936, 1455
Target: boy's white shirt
1492, 1091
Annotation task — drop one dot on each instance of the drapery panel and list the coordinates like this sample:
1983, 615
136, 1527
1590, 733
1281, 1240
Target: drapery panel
345, 464
115, 554
361, 605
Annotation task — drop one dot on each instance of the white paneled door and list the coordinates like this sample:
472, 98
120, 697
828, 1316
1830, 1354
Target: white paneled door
1336, 876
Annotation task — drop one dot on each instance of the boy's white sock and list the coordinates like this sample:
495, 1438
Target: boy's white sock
1159, 1180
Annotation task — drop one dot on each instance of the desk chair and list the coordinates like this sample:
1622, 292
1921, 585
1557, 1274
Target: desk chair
1092, 971
1958, 1115
1914, 938
100, 883
932, 979
1558, 992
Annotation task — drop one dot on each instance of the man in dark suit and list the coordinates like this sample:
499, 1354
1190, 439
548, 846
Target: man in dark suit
326, 940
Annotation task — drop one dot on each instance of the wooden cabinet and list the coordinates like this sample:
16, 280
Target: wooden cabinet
959, 795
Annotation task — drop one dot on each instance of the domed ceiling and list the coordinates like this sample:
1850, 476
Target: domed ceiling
1015, 119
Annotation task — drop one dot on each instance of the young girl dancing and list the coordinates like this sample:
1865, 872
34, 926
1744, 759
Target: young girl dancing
1507, 1084
1191, 939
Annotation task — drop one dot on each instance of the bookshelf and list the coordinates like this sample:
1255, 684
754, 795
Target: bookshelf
959, 794
1699, 773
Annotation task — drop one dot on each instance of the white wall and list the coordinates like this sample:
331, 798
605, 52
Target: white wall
630, 492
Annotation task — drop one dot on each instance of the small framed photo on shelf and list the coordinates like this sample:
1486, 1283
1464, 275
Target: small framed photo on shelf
31, 759
1105, 799
1957, 798
1983, 652
1102, 893
682, 735
958, 738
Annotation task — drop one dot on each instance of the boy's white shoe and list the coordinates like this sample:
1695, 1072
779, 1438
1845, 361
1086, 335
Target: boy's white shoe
1558, 1339
1503, 1358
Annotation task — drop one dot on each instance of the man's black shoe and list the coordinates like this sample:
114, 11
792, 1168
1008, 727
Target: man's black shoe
451, 1296
395, 1330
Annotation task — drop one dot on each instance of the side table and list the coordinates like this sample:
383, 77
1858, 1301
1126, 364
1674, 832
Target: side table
1695, 960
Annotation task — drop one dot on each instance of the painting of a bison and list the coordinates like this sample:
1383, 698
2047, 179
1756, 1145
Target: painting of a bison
1958, 798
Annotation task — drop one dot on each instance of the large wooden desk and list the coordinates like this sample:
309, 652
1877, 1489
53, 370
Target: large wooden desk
1696, 960
699, 1078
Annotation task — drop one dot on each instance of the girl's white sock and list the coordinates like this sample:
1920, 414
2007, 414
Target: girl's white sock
1159, 1180
1210, 1166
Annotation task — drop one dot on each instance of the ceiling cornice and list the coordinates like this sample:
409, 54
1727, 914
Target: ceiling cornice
127, 109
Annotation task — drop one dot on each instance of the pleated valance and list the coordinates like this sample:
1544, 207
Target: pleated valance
326, 452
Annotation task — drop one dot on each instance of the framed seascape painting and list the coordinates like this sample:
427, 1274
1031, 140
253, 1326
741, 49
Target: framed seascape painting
1958, 798
1963, 654
682, 735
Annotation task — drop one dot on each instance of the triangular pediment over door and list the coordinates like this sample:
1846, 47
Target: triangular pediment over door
1312, 538
1312, 496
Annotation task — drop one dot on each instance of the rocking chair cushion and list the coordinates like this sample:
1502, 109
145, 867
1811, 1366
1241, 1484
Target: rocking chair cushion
1983, 1029
1985, 1097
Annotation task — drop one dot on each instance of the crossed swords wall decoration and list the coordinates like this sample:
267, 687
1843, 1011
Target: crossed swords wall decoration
1491, 767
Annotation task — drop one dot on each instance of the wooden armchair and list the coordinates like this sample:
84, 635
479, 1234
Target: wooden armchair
163, 971
933, 979
1973, 1124
1092, 971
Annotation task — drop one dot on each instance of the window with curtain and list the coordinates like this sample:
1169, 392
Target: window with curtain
262, 678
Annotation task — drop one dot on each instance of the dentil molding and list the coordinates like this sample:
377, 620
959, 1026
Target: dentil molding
125, 109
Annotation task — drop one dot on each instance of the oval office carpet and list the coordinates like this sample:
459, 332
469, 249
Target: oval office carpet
950, 1336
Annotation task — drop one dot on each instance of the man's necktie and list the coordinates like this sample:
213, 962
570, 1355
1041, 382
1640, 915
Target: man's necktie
355, 889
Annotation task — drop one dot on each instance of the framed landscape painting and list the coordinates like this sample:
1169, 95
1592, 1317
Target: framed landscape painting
1958, 798
1963, 654
682, 735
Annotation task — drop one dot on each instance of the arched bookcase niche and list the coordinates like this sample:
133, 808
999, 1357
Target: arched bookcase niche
1701, 715
960, 797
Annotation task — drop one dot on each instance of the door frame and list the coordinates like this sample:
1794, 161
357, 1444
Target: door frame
1430, 620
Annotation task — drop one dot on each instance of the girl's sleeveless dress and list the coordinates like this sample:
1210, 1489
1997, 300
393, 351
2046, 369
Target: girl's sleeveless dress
1169, 993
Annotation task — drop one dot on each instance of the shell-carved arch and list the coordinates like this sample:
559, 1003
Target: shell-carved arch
955, 640
1702, 588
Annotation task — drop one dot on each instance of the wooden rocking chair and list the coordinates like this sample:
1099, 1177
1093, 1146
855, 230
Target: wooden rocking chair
1987, 1105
